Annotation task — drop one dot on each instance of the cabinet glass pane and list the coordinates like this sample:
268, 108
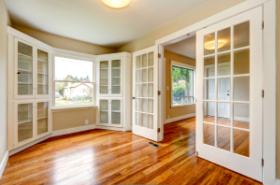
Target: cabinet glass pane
25, 122
42, 72
42, 117
116, 111
104, 77
104, 114
25, 69
116, 77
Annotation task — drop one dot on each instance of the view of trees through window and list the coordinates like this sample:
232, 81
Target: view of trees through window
73, 81
182, 86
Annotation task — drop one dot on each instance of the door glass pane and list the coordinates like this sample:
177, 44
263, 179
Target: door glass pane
209, 134
138, 62
25, 69
209, 89
241, 88
223, 137
224, 64
144, 90
224, 40
151, 75
25, 121
151, 58
150, 121
104, 114
138, 119
241, 112
242, 62
144, 60
116, 77
144, 105
116, 112
209, 66
242, 35
209, 44
209, 112
104, 77
241, 142
144, 75
42, 117
150, 106
151, 90
42, 72
224, 114
224, 89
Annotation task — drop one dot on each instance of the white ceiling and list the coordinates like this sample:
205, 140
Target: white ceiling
91, 21
185, 47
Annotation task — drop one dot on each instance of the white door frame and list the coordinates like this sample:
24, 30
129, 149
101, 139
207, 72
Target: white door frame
269, 73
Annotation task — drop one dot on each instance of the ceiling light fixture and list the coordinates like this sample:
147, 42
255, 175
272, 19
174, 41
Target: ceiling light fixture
116, 4
211, 44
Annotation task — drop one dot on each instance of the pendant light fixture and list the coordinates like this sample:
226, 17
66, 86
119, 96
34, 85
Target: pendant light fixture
116, 4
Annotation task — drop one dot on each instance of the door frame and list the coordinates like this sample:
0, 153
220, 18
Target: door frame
269, 73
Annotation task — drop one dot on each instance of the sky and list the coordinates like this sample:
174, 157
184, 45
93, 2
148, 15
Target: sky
79, 68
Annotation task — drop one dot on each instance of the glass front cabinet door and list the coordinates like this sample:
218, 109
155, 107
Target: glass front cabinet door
110, 77
31, 71
31, 121
110, 112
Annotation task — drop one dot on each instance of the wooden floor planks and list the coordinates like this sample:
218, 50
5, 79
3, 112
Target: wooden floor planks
112, 157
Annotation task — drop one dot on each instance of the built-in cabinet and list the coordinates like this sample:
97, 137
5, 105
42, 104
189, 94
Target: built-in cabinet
29, 93
114, 97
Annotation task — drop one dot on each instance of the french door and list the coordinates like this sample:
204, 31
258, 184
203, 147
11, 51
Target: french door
229, 93
145, 94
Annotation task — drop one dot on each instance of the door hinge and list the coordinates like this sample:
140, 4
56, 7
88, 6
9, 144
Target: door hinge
159, 93
263, 25
262, 93
133, 98
158, 130
262, 162
159, 55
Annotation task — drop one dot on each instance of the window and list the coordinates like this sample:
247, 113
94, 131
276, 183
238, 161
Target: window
182, 85
73, 82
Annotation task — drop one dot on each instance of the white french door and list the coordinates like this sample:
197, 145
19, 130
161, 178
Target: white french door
145, 93
229, 94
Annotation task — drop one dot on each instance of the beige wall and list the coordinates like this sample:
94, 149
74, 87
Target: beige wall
173, 112
4, 21
65, 43
278, 85
70, 118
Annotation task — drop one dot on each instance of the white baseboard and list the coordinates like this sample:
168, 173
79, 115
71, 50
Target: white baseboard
179, 118
73, 130
19, 149
277, 182
4, 163
110, 128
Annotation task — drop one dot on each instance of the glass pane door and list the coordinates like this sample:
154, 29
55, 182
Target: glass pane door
104, 77
229, 109
104, 111
25, 122
25, 69
116, 77
42, 72
42, 117
116, 112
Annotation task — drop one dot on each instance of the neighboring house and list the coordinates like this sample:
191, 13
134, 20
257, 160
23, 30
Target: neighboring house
77, 91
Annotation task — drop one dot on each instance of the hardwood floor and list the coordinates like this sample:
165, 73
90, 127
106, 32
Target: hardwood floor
112, 157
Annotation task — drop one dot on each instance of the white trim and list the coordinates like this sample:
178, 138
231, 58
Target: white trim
19, 149
269, 101
179, 118
110, 128
4, 163
277, 182
72, 130
67, 108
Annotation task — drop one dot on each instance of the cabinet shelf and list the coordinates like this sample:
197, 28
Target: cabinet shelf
24, 55
20, 122
42, 61
42, 84
42, 74
25, 83
42, 118
24, 70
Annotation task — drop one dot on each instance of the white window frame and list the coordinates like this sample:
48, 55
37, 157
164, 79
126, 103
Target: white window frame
75, 56
186, 66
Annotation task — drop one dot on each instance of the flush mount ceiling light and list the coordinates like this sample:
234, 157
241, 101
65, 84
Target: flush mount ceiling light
116, 4
211, 44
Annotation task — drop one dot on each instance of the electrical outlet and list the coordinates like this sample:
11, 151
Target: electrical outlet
86, 122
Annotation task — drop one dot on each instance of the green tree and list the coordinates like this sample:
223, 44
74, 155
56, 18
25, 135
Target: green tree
179, 73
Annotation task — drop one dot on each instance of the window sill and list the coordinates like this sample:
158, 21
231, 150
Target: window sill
179, 106
72, 107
